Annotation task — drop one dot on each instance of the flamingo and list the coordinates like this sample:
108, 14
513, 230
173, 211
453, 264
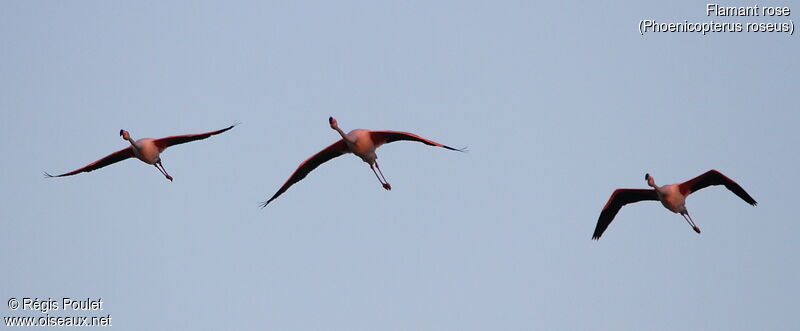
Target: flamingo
673, 197
146, 149
360, 142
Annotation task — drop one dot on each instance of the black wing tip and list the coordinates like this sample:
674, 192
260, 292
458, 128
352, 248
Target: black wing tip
464, 149
747, 198
265, 203
597, 233
46, 175
233, 125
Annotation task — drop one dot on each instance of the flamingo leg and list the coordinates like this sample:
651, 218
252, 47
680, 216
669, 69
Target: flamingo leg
688, 219
386, 186
380, 172
383, 181
163, 171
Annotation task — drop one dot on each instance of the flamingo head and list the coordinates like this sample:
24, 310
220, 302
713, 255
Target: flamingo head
650, 180
333, 122
124, 134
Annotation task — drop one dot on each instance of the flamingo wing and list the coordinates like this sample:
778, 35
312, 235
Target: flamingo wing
112, 158
325, 155
619, 198
385, 137
165, 142
714, 177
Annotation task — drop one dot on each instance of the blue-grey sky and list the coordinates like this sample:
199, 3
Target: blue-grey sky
559, 103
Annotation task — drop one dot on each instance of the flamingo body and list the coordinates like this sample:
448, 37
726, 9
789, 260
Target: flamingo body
672, 199
359, 142
147, 151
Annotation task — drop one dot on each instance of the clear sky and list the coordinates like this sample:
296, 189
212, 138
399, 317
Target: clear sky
560, 103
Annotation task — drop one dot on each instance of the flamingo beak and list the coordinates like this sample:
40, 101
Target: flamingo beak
647, 175
120, 132
330, 120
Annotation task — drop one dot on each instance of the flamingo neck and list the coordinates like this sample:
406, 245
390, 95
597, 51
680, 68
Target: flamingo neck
133, 143
341, 133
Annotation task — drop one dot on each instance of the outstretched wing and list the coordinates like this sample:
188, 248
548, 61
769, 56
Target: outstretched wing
619, 198
330, 152
112, 158
385, 137
163, 143
714, 177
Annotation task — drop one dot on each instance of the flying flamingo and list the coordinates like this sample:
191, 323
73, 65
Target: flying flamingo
146, 149
360, 142
673, 197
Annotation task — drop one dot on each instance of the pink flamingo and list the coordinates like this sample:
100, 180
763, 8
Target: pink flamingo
360, 142
146, 149
673, 197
